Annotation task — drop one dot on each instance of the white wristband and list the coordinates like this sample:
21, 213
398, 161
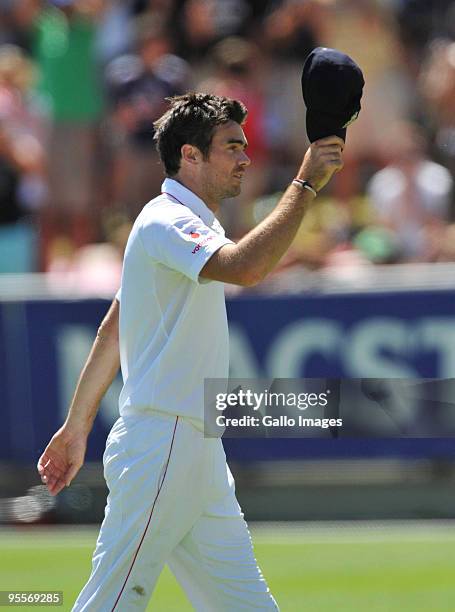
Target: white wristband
305, 185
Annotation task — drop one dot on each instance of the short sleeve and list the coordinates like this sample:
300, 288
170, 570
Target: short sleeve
183, 243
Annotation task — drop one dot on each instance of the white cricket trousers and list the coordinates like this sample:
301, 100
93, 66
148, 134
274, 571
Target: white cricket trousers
171, 500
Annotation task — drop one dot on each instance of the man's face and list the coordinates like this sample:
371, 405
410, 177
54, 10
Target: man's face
223, 171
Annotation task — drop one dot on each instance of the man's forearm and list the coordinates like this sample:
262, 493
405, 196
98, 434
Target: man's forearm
97, 374
273, 236
262, 248
257, 253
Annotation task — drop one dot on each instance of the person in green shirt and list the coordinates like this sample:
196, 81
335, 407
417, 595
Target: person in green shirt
63, 43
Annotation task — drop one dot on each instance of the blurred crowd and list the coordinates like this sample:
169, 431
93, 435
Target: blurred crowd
82, 81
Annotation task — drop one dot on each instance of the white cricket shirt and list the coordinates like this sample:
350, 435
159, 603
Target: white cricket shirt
173, 325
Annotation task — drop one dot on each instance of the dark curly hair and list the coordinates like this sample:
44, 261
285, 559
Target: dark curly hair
192, 119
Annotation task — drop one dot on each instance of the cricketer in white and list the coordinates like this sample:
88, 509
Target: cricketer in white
173, 333
171, 494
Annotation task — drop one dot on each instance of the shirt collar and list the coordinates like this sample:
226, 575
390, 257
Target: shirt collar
185, 196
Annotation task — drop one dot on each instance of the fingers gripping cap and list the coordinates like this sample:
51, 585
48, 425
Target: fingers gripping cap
332, 85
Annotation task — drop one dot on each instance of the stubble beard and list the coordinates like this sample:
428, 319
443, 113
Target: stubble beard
229, 191
234, 191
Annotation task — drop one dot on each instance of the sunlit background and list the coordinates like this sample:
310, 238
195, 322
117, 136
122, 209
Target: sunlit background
367, 290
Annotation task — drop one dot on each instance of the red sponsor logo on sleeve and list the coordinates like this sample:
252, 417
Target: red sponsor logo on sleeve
201, 244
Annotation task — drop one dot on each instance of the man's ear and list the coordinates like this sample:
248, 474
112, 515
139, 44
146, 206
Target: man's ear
190, 154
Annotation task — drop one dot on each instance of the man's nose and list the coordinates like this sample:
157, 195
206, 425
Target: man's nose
245, 160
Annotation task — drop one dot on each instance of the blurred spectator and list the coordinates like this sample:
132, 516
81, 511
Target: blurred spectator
326, 230
115, 35
447, 247
163, 11
16, 236
22, 188
237, 74
438, 89
203, 23
18, 107
290, 31
293, 29
162, 15
377, 244
368, 32
137, 87
11, 168
64, 39
421, 21
16, 17
93, 268
411, 195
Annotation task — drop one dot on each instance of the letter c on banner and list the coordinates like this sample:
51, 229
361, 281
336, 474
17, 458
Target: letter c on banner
300, 340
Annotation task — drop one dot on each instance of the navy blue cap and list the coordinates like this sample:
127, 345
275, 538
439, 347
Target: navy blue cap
332, 85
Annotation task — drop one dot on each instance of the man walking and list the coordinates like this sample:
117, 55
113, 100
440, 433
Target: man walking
171, 494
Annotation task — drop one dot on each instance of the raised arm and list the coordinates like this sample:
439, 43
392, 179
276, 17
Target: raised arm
256, 254
64, 455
